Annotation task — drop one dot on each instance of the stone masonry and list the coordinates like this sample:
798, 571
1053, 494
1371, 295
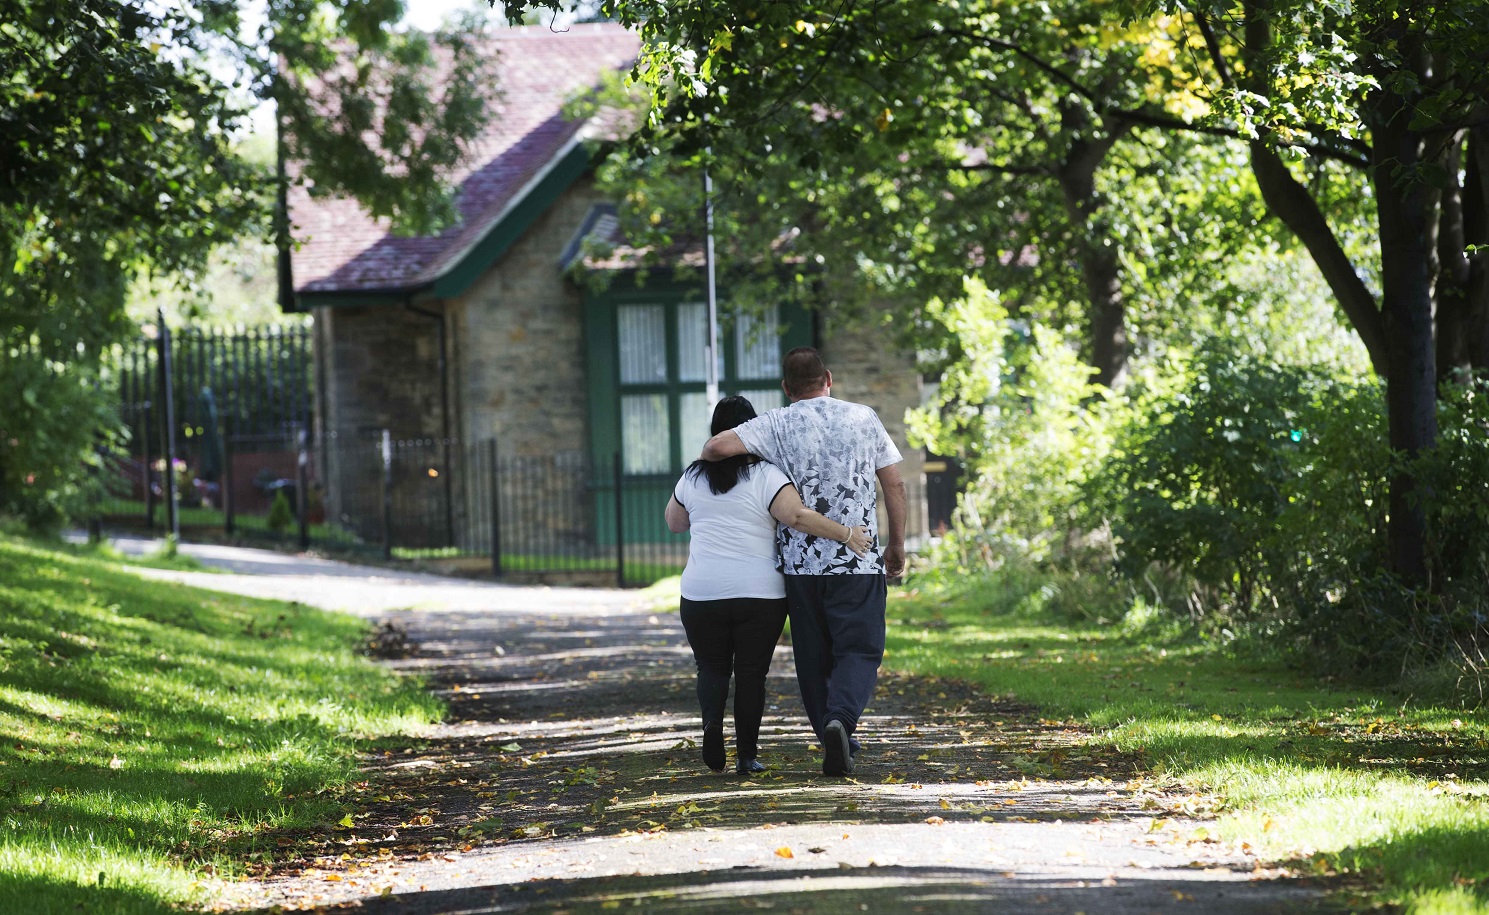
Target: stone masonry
520, 342
867, 368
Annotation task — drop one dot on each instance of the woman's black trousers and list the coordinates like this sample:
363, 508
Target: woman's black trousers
734, 636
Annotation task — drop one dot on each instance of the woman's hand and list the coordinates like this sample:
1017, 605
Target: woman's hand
859, 540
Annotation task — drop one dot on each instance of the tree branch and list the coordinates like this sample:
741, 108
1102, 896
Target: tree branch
1291, 202
1212, 45
1042, 171
1044, 66
1150, 118
1146, 117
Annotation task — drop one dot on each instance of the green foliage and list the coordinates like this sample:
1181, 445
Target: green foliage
116, 127
1454, 477
1237, 494
1387, 789
946, 157
1253, 497
151, 729
54, 424
1199, 481
1014, 407
281, 516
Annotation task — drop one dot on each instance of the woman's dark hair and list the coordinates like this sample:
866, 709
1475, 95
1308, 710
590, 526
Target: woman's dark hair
725, 475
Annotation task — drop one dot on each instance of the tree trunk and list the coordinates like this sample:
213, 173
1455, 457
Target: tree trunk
283, 243
1476, 232
1459, 278
1290, 201
1407, 209
1100, 266
1108, 316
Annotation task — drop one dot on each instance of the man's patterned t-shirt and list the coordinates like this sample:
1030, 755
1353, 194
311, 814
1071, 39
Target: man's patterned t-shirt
831, 449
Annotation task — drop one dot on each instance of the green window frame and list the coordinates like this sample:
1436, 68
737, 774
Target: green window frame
637, 385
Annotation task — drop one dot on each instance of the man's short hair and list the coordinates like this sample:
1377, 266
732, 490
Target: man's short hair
803, 371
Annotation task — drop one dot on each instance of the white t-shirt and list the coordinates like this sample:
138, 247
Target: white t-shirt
833, 450
732, 552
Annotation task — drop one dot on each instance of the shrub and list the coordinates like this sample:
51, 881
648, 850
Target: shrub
1016, 407
54, 421
1251, 493
281, 516
1254, 498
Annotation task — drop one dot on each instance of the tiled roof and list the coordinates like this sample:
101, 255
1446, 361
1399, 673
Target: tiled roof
342, 249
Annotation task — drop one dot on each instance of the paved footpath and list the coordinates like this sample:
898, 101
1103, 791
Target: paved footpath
567, 778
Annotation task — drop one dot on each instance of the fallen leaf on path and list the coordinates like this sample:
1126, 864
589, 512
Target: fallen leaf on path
784, 852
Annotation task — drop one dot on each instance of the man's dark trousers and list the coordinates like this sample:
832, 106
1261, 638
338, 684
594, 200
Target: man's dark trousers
837, 636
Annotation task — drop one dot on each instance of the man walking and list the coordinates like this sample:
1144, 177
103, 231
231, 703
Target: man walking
833, 450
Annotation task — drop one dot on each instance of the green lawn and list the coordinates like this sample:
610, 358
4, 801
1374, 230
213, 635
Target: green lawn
152, 731
1390, 788
133, 512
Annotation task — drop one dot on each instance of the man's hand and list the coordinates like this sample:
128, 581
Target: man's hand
894, 562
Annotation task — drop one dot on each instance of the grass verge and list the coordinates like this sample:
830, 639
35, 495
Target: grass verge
151, 731
1387, 789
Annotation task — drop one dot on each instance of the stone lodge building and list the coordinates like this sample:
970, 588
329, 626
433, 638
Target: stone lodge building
479, 334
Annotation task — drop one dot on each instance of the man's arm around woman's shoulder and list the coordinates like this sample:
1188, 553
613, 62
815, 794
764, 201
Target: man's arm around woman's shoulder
726, 444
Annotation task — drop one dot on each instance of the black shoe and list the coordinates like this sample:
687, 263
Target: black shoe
713, 746
838, 760
750, 767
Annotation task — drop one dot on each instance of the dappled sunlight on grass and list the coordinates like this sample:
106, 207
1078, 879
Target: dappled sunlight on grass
1338, 781
148, 726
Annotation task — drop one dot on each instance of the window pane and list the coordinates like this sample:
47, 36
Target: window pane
692, 338
643, 344
763, 399
757, 346
645, 434
695, 417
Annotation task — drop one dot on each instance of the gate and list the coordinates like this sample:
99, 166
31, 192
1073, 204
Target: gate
239, 402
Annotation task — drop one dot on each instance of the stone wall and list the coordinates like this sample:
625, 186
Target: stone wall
520, 333
867, 368
520, 374
382, 371
379, 370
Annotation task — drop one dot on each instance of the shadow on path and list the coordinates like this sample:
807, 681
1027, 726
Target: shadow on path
888, 889
568, 778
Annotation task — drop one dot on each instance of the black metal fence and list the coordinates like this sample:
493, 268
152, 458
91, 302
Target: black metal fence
516, 516
527, 516
221, 436
467, 506
223, 410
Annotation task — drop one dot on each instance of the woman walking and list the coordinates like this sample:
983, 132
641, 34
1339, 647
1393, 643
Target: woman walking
733, 596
